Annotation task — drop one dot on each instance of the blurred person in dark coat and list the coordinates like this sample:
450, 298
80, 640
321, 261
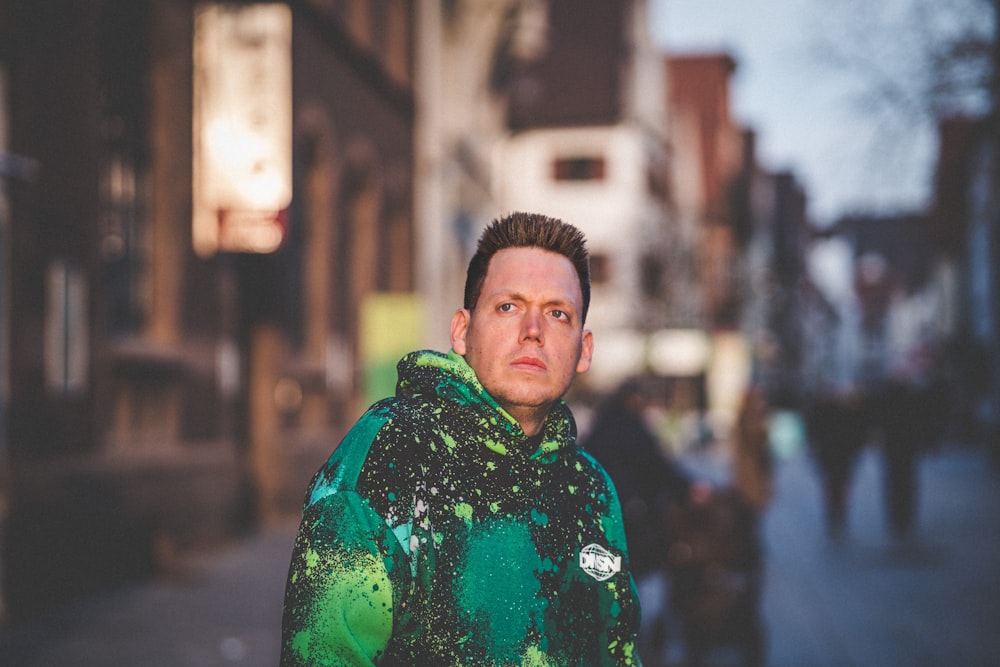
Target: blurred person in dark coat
911, 410
837, 429
648, 483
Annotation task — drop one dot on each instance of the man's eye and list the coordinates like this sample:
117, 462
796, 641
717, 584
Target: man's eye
506, 307
560, 314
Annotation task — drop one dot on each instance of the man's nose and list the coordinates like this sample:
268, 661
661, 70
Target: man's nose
531, 326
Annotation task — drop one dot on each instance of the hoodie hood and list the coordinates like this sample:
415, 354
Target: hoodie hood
428, 375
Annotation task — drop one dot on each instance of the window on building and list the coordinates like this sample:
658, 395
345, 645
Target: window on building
125, 243
359, 21
600, 269
66, 340
651, 276
398, 53
658, 179
579, 169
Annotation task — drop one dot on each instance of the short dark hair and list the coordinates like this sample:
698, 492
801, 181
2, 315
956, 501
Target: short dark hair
528, 230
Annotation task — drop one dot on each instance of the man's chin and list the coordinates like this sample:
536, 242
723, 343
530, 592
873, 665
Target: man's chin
526, 401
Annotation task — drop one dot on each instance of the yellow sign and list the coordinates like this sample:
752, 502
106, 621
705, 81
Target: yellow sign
390, 328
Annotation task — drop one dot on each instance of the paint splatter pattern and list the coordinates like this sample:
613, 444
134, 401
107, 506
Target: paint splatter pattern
439, 534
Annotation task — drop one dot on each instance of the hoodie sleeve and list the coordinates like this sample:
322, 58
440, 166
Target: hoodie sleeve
339, 595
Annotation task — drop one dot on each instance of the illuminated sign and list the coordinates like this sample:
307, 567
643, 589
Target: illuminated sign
242, 148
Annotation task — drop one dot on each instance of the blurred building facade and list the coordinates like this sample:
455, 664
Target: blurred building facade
587, 142
164, 393
709, 165
899, 305
966, 242
750, 232
470, 55
709, 150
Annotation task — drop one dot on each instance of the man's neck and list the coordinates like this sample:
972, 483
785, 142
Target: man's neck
531, 419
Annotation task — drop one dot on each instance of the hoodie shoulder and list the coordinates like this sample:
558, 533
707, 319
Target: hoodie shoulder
343, 467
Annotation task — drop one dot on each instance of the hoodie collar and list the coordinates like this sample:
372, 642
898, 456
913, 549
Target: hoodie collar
449, 377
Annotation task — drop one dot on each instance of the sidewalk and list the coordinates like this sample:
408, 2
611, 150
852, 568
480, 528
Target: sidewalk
933, 600
219, 609
865, 602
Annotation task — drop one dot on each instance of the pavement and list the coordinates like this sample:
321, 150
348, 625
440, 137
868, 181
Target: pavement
867, 600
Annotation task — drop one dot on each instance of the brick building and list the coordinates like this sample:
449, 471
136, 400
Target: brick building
165, 391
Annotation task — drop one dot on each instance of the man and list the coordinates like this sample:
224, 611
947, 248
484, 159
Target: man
458, 523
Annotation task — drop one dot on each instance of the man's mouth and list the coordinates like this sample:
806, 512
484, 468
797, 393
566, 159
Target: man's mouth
529, 363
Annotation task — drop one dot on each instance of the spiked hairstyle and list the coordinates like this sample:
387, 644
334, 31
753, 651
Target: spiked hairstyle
528, 230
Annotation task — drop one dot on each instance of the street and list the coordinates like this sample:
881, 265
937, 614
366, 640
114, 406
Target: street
866, 601
933, 600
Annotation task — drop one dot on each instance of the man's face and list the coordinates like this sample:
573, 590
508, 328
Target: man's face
525, 338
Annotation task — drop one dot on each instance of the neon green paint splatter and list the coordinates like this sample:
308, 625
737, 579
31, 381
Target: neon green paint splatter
360, 588
464, 511
300, 644
535, 657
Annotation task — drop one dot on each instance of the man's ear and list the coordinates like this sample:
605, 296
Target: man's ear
586, 352
459, 327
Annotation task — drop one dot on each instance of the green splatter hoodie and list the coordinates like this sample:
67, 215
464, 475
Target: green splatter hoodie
439, 534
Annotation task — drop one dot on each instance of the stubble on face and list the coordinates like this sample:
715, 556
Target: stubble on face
525, 338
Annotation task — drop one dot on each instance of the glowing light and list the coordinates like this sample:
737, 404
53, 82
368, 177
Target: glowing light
242, 127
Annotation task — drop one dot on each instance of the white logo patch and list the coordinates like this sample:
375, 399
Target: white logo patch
599, 563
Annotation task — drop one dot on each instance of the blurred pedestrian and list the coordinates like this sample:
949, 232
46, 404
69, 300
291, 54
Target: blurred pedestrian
911, 413
837, 430
753, 460
648, 482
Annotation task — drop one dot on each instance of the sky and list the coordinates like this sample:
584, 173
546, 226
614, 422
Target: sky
805, 111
